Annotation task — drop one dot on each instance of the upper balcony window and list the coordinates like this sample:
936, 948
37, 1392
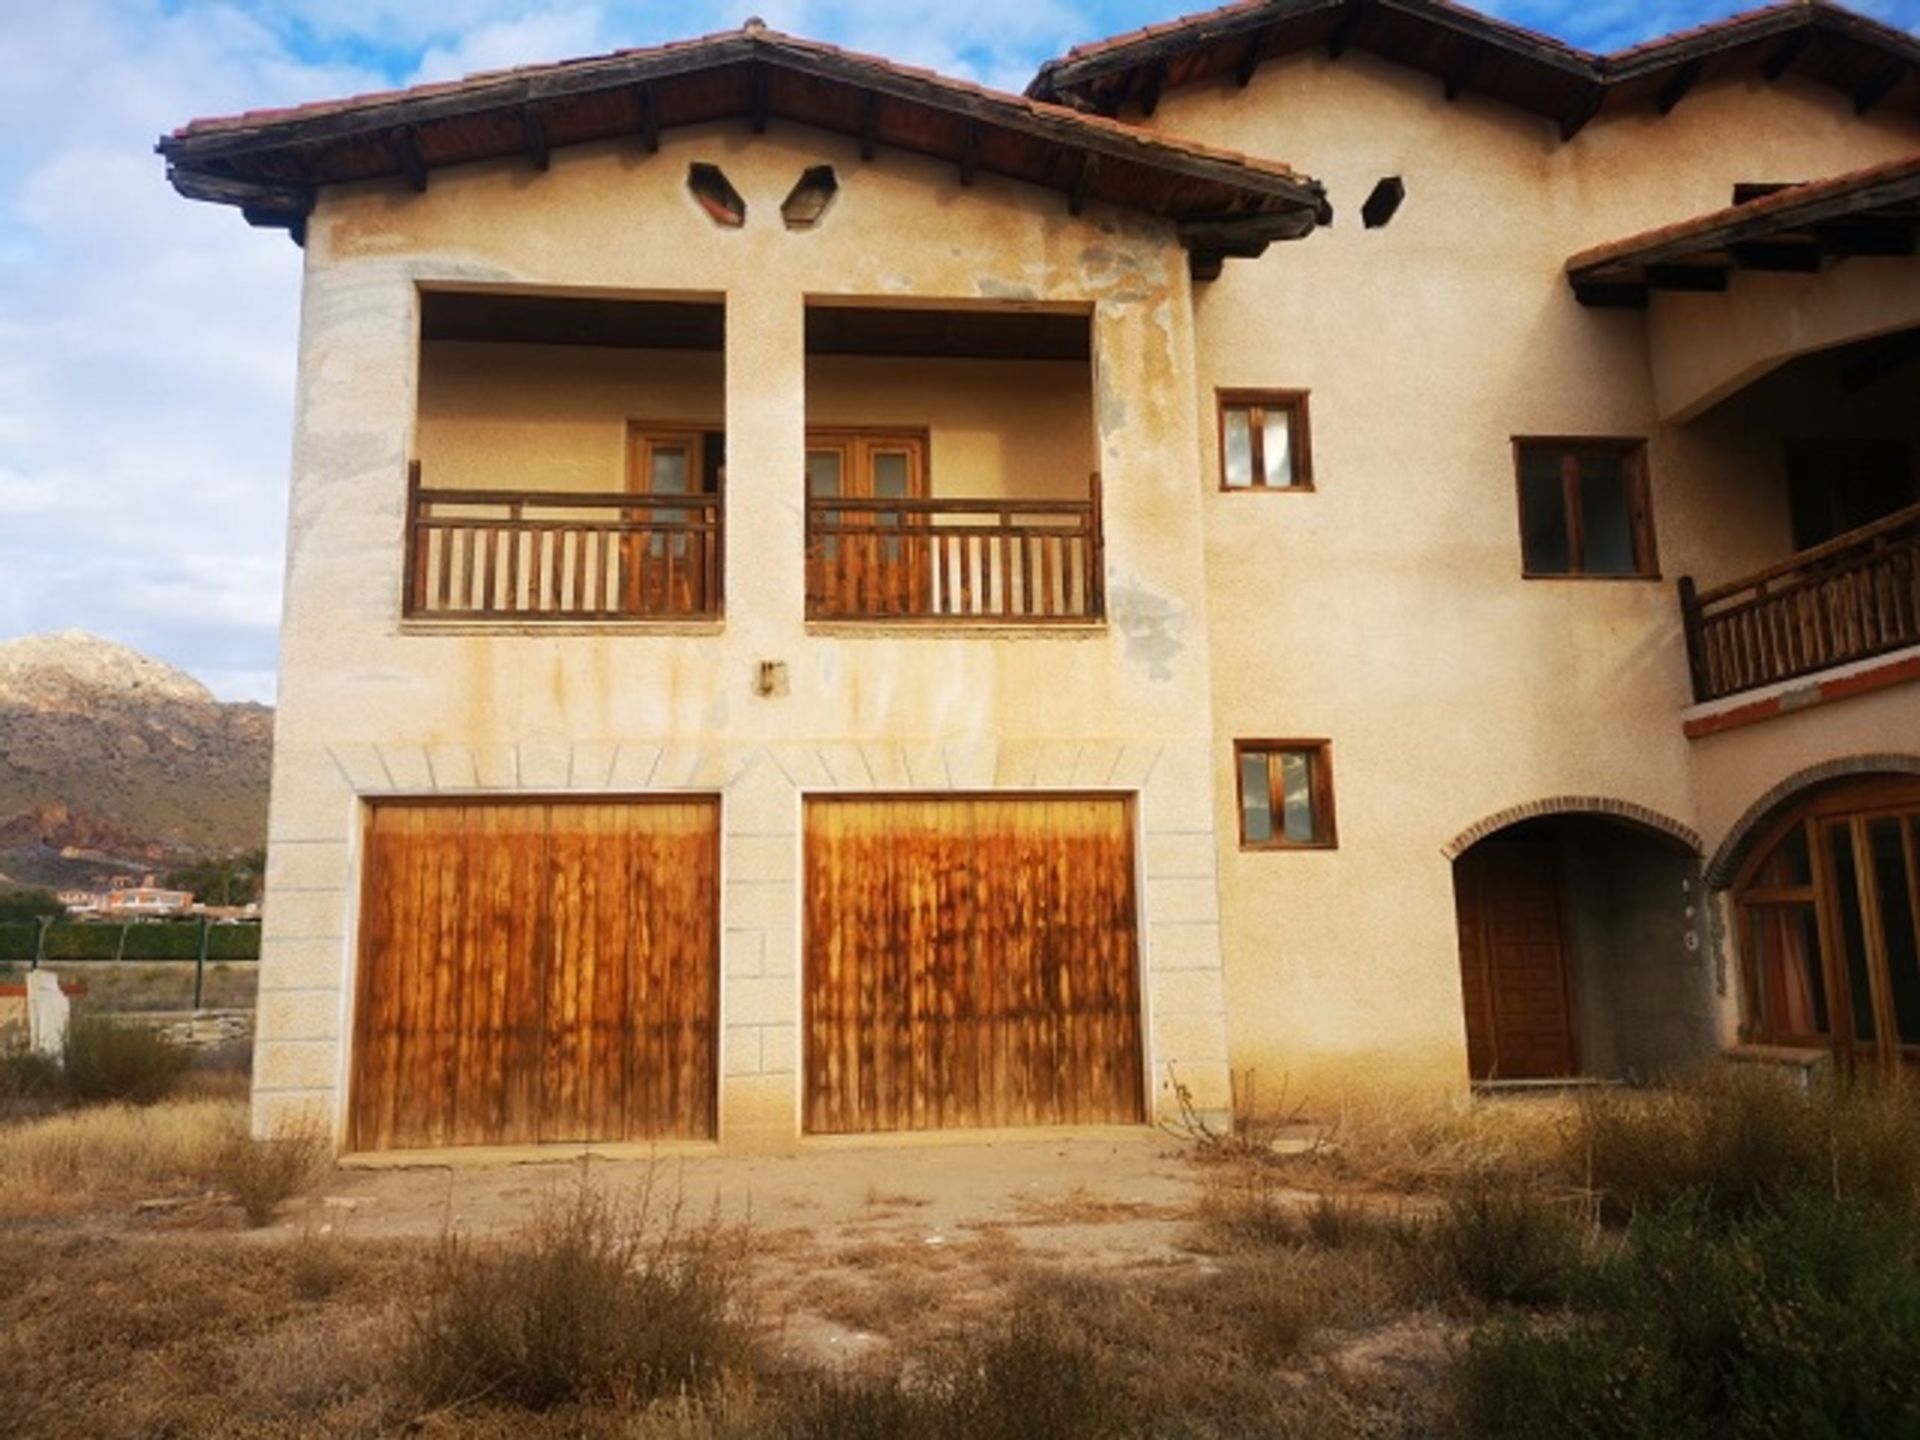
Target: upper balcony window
1584, 509
949, 465
570, 460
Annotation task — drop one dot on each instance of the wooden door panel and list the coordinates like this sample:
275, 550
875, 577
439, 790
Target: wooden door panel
521, 963
970, 962
1513, 962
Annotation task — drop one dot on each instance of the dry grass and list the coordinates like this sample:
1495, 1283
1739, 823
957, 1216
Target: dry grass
167, 1336
599, 1300
262, 1175
1083, 1205
105, 1157
131, 986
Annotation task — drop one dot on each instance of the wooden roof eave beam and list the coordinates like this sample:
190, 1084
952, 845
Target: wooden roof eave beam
1879, 87
1764, 230
1105, 141
399, 122
1248, 235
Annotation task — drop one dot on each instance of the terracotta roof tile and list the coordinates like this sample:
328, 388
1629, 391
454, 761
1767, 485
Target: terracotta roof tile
1144, 139
1597, 61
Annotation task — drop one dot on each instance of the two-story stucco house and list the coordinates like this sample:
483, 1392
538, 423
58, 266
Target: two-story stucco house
1336, 539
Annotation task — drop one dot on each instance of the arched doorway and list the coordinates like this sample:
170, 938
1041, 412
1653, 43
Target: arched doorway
1580, 953
1827, 907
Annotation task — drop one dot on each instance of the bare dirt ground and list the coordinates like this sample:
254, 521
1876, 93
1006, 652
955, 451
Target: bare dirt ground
852, 1245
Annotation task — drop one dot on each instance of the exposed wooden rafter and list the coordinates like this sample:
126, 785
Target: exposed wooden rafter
1083, 183
1151, 79
1461, 72
969, 154
1883, 360
1575, 119
1786, 256
869, 124
646, 112
406, 154
533, 135
1684, 79
1346, 28
1787, 53
757, 99
1876, 89
1698, 278
1248, 63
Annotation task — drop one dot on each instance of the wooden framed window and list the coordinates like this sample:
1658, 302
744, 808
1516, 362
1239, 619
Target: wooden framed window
673, 459
1829, 925
1584, 509
1286, 794
1263, 440
866, 465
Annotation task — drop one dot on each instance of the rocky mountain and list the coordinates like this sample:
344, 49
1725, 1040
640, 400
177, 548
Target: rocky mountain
113, 761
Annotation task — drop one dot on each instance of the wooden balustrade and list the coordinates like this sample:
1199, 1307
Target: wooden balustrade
544, 556
1854, 597
997, 561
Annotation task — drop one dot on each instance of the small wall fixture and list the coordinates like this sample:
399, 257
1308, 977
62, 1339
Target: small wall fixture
1383, 202
716, 195
812, 193
770, 678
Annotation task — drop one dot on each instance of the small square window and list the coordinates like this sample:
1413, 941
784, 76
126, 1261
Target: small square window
1286, 794
1584, 509
1263, 440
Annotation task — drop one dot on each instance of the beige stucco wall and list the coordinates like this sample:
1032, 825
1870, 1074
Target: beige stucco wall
554, 417
370, 707
1386, 610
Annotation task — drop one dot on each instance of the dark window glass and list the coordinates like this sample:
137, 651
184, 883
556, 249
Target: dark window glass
1884, 839
1846, 884
1543, 518
1583, 509
1606, 517
1790, 863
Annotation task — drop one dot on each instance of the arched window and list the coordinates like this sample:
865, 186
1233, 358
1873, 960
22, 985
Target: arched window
1829, 916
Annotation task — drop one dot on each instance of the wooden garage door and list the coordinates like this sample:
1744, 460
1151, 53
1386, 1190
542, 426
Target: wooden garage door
536, 972
970, 961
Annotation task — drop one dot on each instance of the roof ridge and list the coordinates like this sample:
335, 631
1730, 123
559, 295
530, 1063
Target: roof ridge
1242, 14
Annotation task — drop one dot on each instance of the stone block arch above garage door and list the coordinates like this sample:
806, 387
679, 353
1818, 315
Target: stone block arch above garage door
1732, 850
1573, 805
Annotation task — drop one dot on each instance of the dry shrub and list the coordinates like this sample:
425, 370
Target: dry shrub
30, 1084
598, 1300
1505, 1244
1741, 1138
110, 1154
1800, 1320
130, 1064
262, 1175
1029, 1376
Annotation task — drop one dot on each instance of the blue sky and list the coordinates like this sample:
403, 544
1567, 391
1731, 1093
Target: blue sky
147, 344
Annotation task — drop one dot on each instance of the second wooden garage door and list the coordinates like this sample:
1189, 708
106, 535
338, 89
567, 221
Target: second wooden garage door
971, 961
536, 972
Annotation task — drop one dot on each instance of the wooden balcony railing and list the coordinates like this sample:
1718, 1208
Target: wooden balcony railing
542, 556
993, 561
1854, 597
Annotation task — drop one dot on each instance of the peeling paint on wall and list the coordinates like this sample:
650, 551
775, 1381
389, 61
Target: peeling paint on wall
1153, 626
